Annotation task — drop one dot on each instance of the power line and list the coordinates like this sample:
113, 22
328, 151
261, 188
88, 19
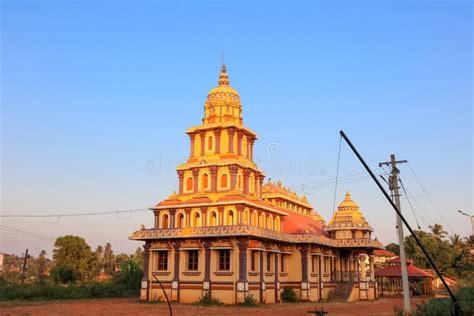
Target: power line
337, 176
429, 198
409, 203
431, 221
25, 233
74, 214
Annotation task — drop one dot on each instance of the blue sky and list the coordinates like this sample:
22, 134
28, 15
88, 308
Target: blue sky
96, 97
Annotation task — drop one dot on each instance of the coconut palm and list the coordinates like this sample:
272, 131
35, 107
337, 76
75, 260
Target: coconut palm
437, 233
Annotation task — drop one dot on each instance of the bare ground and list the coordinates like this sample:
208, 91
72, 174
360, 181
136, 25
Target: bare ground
382, 306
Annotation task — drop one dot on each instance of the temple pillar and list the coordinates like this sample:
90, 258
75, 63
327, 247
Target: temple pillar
305, 288
233, 176
213, 171
192, 138
172, 219
240, 136
231, 132
187, 213
175, 281
217, 133
220, 216
262, 280
363, 268
242, 283
320, 278
206, 284
202, 135
180, 177
246, 181
277, 281
195, 179
240, 214
250, 151
146, 283
261, 177
372, 267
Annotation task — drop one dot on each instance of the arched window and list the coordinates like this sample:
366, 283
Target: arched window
189, 184
255, 219
270, 222
224, 181
209, 143
164, 221
180, 220
213, 219
252, 183
262, 220
277, 223
196, 219
246, 217
204, 182
230, 217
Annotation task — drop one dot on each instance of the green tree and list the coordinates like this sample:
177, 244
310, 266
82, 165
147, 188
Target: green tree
99, 262
138, 257
393, 247
63, 274
109, 259
74, 254
40, 264
121, 258
437, 232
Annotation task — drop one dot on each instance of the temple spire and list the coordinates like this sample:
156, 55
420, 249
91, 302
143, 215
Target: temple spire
223, 77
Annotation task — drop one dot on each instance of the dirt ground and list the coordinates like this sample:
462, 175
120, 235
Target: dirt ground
133, 307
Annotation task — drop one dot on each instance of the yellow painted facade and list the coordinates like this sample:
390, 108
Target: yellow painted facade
226, 234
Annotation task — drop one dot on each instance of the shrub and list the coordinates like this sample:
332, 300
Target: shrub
249, 300
63, 274
207, 300
288, 295
129, 277
441, 307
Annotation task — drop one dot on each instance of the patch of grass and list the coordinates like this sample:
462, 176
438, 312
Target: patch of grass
207, 300
249, 301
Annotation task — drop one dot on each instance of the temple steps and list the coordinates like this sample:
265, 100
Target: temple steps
342, 292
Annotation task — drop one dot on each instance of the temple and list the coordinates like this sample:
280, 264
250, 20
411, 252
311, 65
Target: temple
226, 234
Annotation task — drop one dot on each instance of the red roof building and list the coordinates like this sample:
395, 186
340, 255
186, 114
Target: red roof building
389, 279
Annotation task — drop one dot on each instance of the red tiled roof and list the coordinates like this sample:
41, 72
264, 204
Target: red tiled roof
396, 271
397, 260
296, 223
383, 253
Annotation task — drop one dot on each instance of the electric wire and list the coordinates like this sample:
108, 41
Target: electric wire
409, 203
337, 176
430, 199
73, 214
25, 233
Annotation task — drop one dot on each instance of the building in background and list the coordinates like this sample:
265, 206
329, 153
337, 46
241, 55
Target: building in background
227, 234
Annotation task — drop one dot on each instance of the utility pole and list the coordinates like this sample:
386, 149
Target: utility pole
24, 267
393, 185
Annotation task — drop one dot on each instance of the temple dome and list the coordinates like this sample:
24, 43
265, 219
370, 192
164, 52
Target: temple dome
348, 216
223, 102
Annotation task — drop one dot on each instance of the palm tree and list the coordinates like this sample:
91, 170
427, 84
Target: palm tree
437, 232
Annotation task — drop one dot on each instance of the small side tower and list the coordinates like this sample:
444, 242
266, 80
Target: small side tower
348, 222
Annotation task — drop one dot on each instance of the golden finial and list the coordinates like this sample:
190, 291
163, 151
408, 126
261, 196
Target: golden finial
348, 196
223, 77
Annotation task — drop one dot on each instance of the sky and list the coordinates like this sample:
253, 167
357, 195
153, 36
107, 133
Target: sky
96, 97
